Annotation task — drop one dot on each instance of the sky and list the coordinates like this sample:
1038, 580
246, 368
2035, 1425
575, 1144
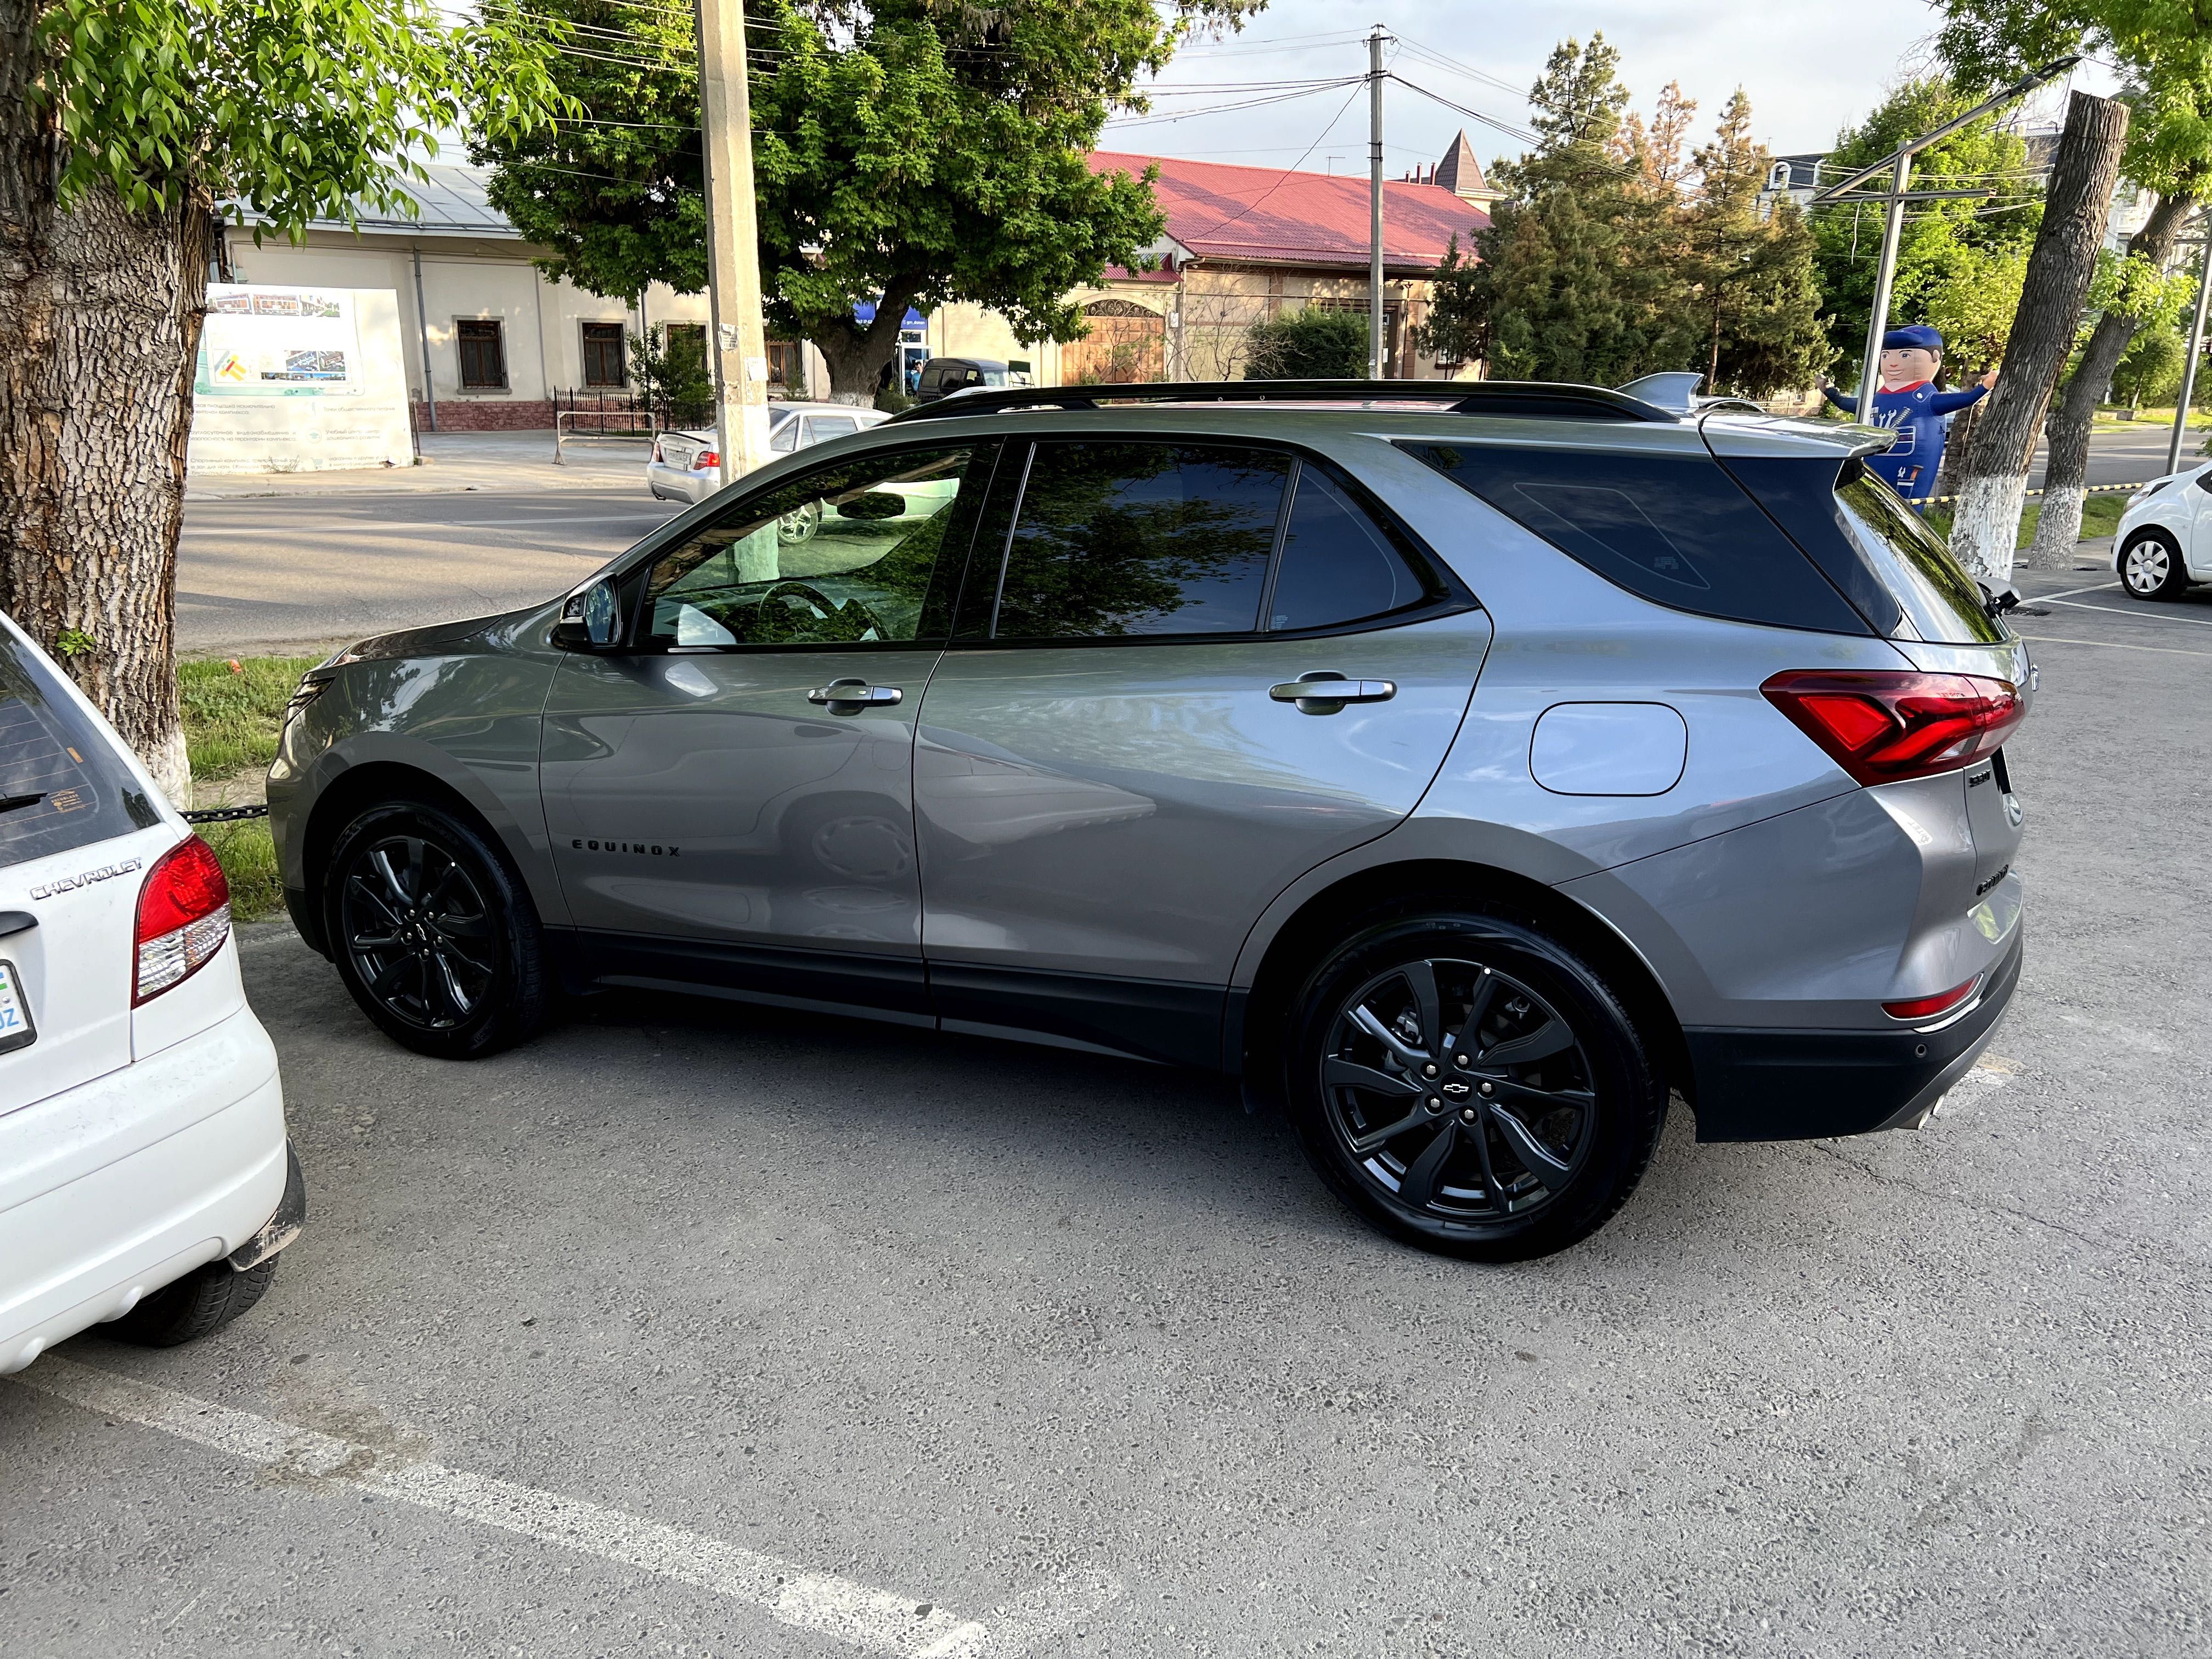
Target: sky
1809, 66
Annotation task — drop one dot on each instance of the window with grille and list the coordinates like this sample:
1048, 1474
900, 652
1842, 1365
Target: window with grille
603, 355
483, 355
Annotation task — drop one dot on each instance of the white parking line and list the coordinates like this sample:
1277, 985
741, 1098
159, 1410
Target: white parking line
2144, 615
2113, 645
2068, 592
856, 1614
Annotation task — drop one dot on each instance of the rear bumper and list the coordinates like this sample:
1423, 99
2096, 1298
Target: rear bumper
115, 1189
1754, 1084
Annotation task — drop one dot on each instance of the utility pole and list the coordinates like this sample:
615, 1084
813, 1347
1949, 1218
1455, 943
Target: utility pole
1375, 39
1885, 278
2195, 350
738, 351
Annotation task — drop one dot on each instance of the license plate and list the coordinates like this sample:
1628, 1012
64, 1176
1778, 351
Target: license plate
17, 1030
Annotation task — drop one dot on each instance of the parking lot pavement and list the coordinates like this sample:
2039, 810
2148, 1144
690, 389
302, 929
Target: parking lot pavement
985, 1349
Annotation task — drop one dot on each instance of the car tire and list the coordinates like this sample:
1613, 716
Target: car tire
204, 1300
434, 932
2150, 567
1470, 1085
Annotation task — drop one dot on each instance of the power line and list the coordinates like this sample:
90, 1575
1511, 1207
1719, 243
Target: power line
1356, 88
1217, 109
1507, 128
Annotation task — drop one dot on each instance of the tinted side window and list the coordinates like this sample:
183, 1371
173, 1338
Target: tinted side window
1119, 539
827, 426
865, 551
61, 786
1675, 530
1338, 565
930, 377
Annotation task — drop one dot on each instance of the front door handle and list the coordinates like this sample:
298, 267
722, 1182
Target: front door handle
1322, 692
850, 697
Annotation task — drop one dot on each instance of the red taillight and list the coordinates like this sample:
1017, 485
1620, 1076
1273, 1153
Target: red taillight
1929, 1007
1881, 726
184, 916
707, 461
657, 456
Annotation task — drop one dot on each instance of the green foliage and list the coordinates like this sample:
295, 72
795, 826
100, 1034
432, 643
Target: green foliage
905, 152
74, 642
2150, 373
1610, 259
298, 109
248, 856
232, 715
1751, 266
669, 367
1311, 344
1960, 264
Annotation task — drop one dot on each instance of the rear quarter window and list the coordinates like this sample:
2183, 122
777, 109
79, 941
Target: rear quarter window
1675, 530
61, 786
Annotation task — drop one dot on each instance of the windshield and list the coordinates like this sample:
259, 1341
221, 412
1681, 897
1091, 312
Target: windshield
1943, 603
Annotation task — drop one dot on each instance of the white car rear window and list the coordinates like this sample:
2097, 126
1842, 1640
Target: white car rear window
61, 786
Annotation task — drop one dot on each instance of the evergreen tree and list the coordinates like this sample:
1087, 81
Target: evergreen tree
1757, 294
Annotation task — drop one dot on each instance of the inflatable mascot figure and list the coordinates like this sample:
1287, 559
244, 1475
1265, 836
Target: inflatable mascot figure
1909, 402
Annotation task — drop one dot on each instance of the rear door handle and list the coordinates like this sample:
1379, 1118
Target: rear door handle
855, 695
1322, 692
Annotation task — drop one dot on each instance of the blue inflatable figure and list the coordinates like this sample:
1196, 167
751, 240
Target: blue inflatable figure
1909, 402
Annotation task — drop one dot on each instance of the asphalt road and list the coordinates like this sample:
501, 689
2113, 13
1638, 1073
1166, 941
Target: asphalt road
694, 1330
301, 570
261, 575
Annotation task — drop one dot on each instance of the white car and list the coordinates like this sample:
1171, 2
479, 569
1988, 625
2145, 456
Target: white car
686, 467
2164, 541
145, 1174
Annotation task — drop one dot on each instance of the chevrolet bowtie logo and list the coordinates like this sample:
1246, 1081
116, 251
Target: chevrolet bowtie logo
1455, 1088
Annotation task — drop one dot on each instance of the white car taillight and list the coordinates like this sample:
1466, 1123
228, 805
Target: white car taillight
184, 916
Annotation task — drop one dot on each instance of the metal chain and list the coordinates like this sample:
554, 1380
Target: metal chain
228, 814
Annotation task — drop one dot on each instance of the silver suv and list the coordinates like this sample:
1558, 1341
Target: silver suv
1463, 768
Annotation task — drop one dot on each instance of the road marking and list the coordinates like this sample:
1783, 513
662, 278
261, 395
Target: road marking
2139, 615
2068, 592
856, 1614
2114, 645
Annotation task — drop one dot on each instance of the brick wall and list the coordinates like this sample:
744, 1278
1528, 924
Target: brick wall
487, 414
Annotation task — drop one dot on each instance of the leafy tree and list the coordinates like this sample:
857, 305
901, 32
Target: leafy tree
1577, 276
2150, 371
1311, 344
1615, 256
1960, 264
669, 367
1756, 292
2164, 49
124, 123
905, 152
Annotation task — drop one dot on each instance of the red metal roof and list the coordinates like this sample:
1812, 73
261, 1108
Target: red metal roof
1276, 218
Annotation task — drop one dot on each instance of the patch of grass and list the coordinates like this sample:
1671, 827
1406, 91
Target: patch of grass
2100, 516
232, 716
248, 857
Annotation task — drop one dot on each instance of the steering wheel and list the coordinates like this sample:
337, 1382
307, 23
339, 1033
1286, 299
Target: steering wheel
852, 611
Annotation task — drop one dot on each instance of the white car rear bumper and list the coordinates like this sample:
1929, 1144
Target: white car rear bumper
114, 1188
672, 483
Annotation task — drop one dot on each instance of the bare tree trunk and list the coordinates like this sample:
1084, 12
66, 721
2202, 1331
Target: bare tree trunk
2066, 465
1954, 451
2059, 270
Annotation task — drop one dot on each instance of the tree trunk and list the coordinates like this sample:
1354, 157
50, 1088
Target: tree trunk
2066, 468
99, 326
856, 355
2059, 269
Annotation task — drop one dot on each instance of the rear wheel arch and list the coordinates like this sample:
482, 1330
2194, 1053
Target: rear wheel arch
1323, 922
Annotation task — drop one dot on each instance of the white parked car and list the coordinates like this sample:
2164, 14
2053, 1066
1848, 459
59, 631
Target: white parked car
686, 467
145, 1174
2164, 541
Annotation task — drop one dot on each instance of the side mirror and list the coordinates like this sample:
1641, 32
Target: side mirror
591, 620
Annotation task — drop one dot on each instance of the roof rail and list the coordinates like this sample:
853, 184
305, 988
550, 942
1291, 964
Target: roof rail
1524, 400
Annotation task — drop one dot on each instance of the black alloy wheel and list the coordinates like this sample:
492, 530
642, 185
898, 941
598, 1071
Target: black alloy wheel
435, 934
1473, 1088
